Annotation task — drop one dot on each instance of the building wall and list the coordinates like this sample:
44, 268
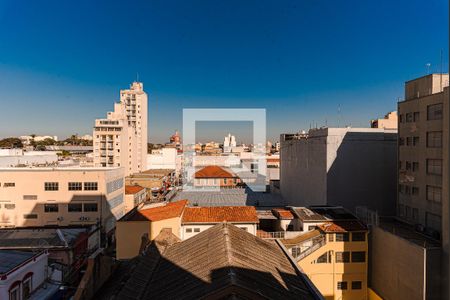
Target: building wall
341, 166
25, 203
211, 182
133, 200
173, 223
39, 269
251, 228
121, 139
326, 276
128, 237
398, 268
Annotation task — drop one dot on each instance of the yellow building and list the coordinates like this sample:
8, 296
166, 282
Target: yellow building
146, 221
335, 258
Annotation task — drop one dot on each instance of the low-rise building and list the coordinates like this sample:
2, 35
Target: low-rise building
215, 176
134, 195
198, 219
222, 262
332, 249
35, 197
183, 221
388, 122
147, 220
21, 273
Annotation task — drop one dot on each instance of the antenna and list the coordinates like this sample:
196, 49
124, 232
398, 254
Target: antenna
339, 115
441, 70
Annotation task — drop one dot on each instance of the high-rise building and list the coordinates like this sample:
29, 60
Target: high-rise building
229, 143
348, 167
120, 140
423, 175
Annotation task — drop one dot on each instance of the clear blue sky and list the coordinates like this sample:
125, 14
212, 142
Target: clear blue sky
62, 63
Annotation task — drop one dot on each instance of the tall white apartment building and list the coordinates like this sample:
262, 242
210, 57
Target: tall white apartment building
120, 140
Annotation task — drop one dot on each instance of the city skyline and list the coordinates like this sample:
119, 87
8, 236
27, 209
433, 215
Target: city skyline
200, 55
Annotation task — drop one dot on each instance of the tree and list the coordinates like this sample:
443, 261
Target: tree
11, 143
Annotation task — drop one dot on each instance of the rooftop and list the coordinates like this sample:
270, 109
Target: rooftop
233, 214
232, 264
157, 213
11, 259
305, 214
282, 214
39, 238
230, 197
213, 172
133, 189
342, 226
333, 212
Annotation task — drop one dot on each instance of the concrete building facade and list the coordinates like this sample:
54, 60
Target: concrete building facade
120, 140
423, 166
340, 166
34, 197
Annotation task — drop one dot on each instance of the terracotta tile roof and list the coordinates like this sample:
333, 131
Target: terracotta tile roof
213, 172
273, 160
342, 226
217, 214
133, 189
158, 213
282, 214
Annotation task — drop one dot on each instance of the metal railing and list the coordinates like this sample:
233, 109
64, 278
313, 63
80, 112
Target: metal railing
271, 235
319, 243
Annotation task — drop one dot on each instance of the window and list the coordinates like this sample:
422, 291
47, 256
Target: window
401, 141
342, 285
401, 210
50, 208
9, 184
434, 112
323, 259
90, 186
188, 230
342, 237
343, 257
434, 193
416, 116
51, 186
434, 139
311, 227
409, 117
29, 197
415, 214
196, 229
401, 188
356, 285
408, 211
434, 166
407, 190
358, 236
415, 166
433, 221
358, 256
10, 206
27, 287
399, 164
400, 118
75, 186
415, 141
415, 190
331, 237
296, 251
408, 141
30, 216
408, 165
74, 207
14, 293
90, 207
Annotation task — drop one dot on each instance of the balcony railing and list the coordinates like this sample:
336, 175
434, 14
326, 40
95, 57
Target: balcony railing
270, 235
